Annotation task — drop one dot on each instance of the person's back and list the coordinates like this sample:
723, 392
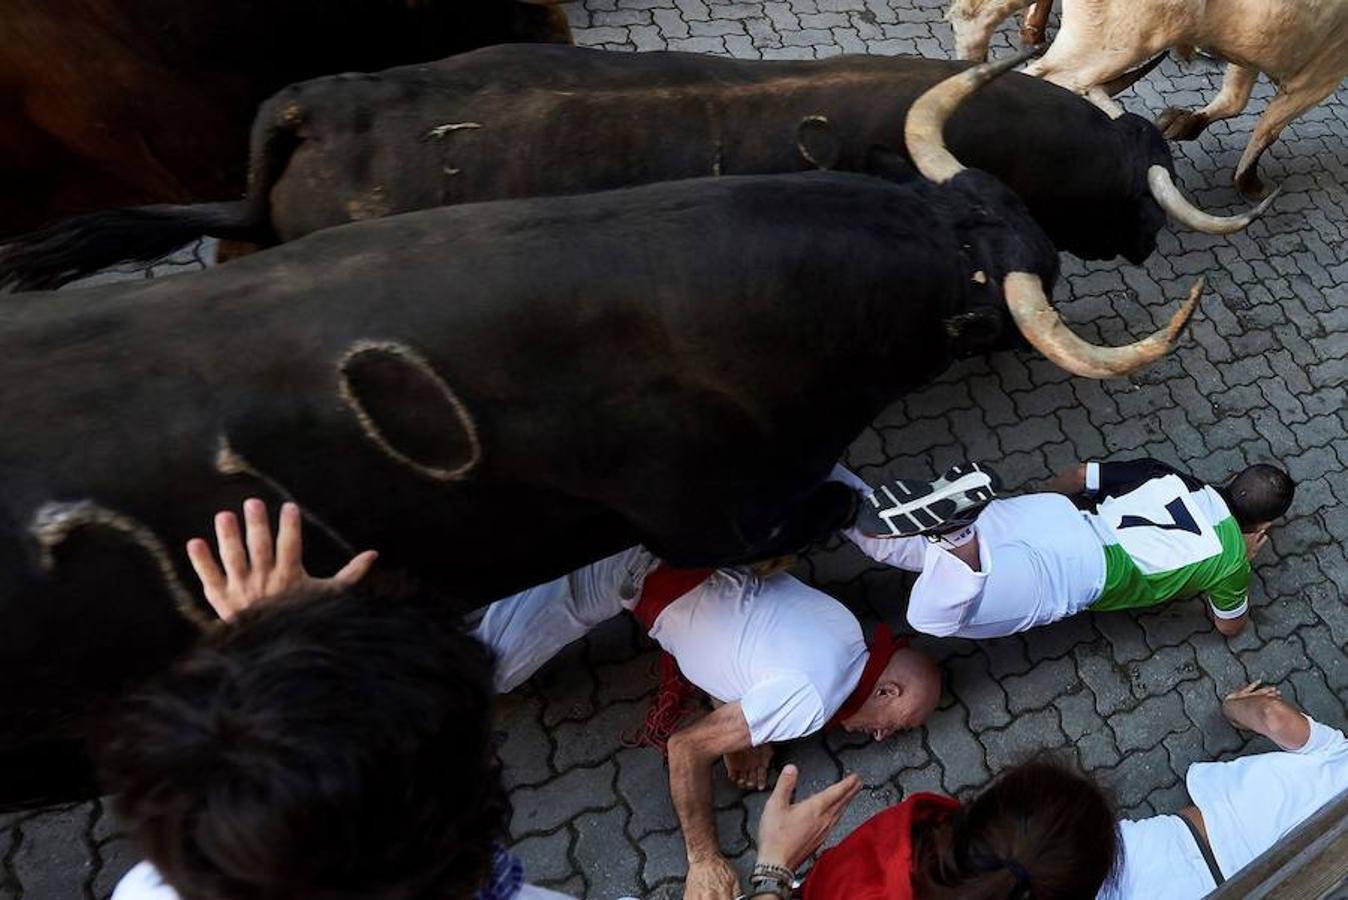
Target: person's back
1242, 807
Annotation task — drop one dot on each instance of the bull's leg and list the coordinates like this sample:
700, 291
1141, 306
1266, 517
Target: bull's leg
975, 21
1291, 101
735, 541
1186, 125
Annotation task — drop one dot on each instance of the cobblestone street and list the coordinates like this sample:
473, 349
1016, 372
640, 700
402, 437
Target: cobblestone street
1261, 376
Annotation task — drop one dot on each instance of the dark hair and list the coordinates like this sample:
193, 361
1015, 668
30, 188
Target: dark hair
1260, 494
1041, 831
316, 749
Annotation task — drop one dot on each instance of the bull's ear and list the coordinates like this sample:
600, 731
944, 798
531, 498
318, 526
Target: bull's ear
817, 142
890, 165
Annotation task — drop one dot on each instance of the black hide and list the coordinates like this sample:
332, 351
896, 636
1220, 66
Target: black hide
490, 394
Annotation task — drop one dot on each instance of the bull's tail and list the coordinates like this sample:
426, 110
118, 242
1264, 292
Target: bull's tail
85, 244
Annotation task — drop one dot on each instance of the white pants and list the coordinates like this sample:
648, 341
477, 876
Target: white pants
527, 629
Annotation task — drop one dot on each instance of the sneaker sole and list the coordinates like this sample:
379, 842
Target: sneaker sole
904, 508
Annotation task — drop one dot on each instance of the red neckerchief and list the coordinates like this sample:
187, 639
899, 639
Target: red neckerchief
882, 647
875, 862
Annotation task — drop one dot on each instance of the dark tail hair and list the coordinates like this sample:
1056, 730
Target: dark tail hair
85, 244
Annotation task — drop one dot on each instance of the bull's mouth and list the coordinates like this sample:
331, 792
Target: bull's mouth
1025, 296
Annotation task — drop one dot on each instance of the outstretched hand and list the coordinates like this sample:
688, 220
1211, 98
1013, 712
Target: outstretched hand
789, 832
262, 569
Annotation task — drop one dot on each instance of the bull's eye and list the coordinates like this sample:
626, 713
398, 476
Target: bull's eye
408, 410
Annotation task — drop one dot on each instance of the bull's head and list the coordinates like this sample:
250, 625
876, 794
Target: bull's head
1023, 267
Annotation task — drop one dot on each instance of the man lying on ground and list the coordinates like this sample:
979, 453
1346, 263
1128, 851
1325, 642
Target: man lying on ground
1240, 808
780, 659
1144, 534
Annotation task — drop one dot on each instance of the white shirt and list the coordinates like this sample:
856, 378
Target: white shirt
791, 655
143, 883
1248, 804
1039, 557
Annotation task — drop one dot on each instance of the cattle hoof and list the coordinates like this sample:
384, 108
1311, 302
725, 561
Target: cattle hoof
1251, 185
1180, 124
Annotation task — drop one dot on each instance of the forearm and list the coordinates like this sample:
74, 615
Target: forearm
1274, 718
1070, 481
690, 784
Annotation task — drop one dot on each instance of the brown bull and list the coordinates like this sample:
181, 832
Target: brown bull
115, 102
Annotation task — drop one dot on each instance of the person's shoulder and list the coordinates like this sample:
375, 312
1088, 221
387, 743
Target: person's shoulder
143, 882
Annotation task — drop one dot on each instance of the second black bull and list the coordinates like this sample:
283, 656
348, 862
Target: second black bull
533, 120
491, 394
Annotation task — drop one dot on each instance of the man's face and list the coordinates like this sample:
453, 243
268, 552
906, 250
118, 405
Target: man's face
889, 711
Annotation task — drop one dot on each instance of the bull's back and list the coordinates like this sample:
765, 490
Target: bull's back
517, 121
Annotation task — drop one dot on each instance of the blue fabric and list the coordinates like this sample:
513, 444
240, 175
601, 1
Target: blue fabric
506, 878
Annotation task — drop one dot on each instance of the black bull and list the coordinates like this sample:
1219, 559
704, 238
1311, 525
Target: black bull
533, 120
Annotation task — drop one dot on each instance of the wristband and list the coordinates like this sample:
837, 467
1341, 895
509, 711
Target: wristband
775, 880
776, 873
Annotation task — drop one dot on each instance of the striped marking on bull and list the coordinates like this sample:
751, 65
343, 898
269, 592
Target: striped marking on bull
54, 522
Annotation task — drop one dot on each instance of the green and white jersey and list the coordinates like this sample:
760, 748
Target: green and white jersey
1167, 536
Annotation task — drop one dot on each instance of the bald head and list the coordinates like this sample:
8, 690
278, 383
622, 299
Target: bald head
904, 696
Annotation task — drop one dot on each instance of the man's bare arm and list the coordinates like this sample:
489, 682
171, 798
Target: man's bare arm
692, 754
1231, 627
1070, 481
1262, 710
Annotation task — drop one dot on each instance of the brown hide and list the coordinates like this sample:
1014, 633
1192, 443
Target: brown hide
107, 103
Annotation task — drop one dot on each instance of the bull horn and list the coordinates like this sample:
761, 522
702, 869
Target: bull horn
1046, 331
1133, 76
1181, 210
923, 129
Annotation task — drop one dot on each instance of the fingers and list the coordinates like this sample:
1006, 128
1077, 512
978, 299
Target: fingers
758, 775
212, 578
786, 786
289, 544
833, 800
258, 532
355, 570
230, 544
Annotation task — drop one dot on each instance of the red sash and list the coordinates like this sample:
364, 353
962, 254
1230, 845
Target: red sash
875, 862
882, 647
663, 586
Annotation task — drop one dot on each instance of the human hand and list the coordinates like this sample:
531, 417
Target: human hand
1242, 707
1255, 542
263, 570
789, 832
711, 878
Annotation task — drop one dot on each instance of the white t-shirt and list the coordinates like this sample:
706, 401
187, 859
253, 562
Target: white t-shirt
1248, 804
143, 883
791, 655
1040, 561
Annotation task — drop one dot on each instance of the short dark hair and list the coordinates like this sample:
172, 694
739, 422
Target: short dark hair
320, 748
1260, 494
1042, 830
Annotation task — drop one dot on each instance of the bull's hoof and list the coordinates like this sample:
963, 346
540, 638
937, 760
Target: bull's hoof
1251, 185
1181, 124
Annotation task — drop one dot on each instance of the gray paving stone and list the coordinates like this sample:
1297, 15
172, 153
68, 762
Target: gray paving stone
664, 859
1150, 721
1163, 670
115, 859
1038, 687
606, 859
1275, 660
963, 758
543, 808
545, 858
982, 695
1026, 736
599, 738
53, 860
1103, 675
1203, 706
1139, 776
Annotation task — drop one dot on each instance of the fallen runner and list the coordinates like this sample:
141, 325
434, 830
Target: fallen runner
1147, 534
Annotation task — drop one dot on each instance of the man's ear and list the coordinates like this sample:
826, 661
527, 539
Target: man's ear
889, 689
